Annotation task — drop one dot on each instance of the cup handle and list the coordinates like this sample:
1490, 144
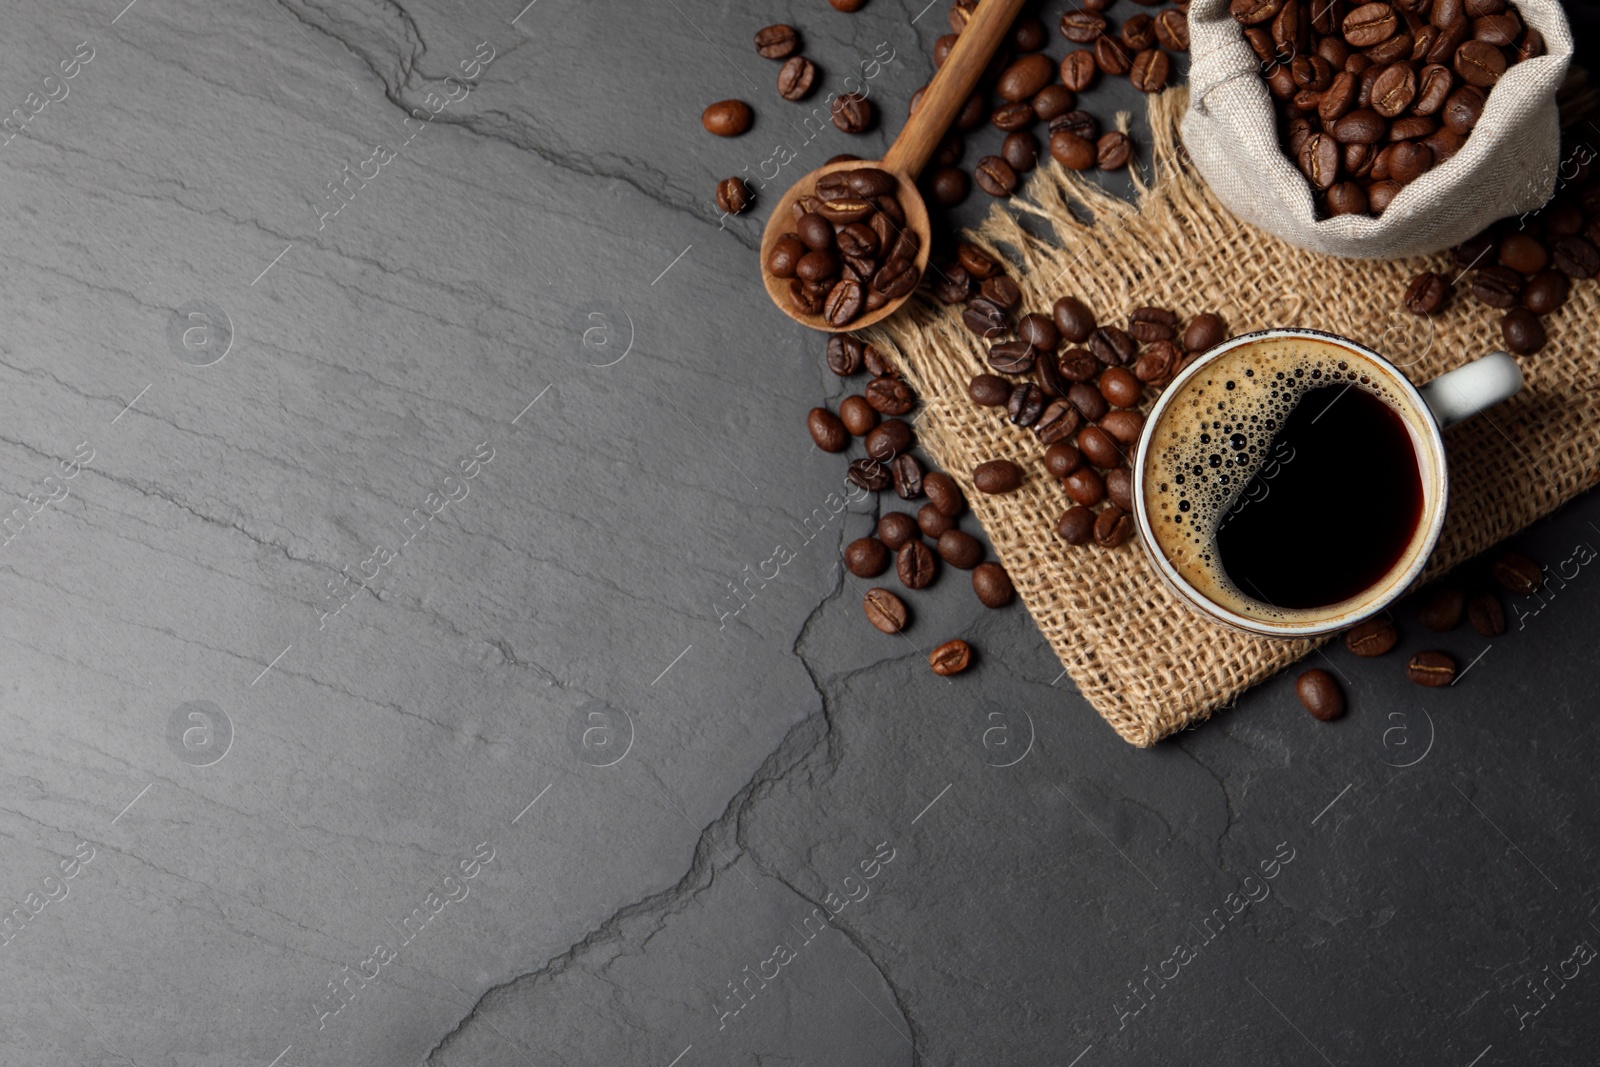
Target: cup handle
1457, 395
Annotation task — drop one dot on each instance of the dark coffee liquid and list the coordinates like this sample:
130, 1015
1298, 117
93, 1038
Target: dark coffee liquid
1336, 510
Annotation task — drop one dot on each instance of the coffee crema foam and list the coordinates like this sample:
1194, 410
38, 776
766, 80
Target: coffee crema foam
1218, 433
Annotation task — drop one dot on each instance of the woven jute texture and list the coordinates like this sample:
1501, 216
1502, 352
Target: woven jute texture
1147, 663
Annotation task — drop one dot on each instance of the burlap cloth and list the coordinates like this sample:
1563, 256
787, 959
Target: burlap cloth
1147, 663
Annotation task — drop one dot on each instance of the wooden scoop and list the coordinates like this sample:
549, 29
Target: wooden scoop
940, 104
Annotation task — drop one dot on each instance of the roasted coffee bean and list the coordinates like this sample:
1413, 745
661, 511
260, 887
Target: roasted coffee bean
896, 278
972, 113
1172, 30
847, 6
949, 151
1546, 292
1112, 346
827, 430
1486, 615
942, 48
1081, 123
960, 550
885, 610
951, 283
996, 476
1254, 12
1072, 151
1025, 404
1029, 34
1408, 161
1427, 293
733, 195
1077, 365
1530, 45
1025, 77
1120, 387
995, 176
1462, 109
1319, 160
1312, 74
1523, 254
1372, 638
807, 297
916, 565
857, 415
816, 231
1479, 63
1205, 331
975, 261
1039, 332
1076, 526
1112, 527
1370, 24
1001, 291
1021, 151
1012, 117
1443, 47
777, 42
1577, 257
1111, 57
869, 474
1087, 399
1381, 194
866, 557
984, 318
1056, 422
1442, 610
1362, 126
1124, 426
895, 528
1563, 218
989, 390
952, 657
1516, 573
943, 493
1148, 70
1082, 27
1394, 90
1522, 331
1113, 150
930, 520
1051, 101
1013, 357
1347, 198
1499, 287
907, 474
1433, 89
796, 77
890, 396
1320, 694
785, 256
888, 439
1445, 144
1079, 70
1073, 319
857, 239
1156, 363
992, 585
1138, 32
1412, 128
846, 355
1119, 488
1061, 459
727, 118
1446, 12
1152, 324
1433, 669
1085, 486
845, 301
1099, 448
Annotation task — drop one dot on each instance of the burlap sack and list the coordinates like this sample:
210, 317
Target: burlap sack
1507, 166
1146, 662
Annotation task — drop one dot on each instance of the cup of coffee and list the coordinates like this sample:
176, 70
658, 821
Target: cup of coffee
1292, 482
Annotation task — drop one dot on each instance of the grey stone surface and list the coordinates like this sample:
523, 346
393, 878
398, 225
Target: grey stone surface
521, 758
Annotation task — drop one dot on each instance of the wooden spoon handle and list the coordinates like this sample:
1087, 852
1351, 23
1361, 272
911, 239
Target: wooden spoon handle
951, 86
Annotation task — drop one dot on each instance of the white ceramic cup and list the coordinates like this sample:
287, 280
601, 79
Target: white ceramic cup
1425, 411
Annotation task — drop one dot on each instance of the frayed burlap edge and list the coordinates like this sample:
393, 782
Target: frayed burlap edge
1148, 664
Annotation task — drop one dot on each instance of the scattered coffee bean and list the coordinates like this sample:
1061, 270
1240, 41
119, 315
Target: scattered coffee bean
888, 439
1523, 254
1112, 527
852, 113
1061, 459
952, 657
827, 430
1486, 614
1119, 386
1522, 331
1099, 448
989, 390
1076, 526
727, 118
866, 557
1125, 426
1499, 287
1320, 694
995, 176
858, 416
1072, 151
1516, 573
916, 565
890, 395
777, 42
1113, 150
1025, 405
993, 585
1112, 346
869, 474
1021, 151
1087, 399
949, 185
1085, 486
1119, 488
885, 610
1432, 669
796, 77
1546, 292
1149, 70
1372, 638
733, 196
1427, 293
944, 494
1443, 609
997, 476
930, 520
846, 355
960, 550
1073, 319
907, 474
895, 528
1039, 332
1577, 257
